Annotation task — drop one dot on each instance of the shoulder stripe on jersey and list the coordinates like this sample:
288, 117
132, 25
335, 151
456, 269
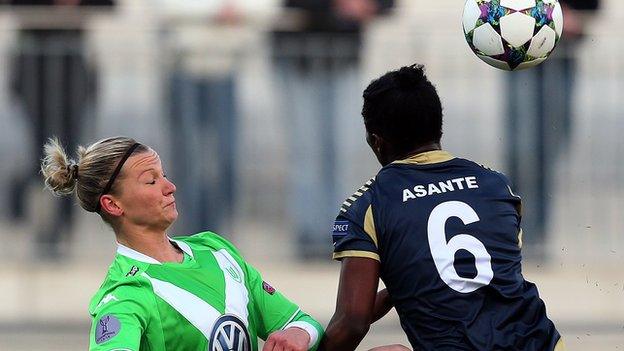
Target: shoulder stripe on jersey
348, 202
355, 253
369, 225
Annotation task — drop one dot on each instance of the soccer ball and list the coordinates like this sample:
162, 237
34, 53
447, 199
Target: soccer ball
513, 34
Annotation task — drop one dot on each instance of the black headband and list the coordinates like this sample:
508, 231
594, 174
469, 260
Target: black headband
109, 185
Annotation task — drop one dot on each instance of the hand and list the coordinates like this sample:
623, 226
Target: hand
358, 10
291, 339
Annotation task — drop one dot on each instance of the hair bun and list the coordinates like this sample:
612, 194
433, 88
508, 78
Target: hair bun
59, 172
72, 169
411, 76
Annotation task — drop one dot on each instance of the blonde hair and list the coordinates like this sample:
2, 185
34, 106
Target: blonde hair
87, 175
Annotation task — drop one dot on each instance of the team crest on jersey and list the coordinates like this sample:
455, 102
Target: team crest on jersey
268, 288
234, 274
229, 334
108, 326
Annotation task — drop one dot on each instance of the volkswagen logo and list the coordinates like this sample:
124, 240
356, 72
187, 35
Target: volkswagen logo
229, 334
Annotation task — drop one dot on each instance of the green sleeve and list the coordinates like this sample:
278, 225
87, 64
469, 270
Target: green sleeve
275, 312
119, 321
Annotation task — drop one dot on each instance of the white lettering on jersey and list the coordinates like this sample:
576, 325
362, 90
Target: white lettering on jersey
420, 190
454, 184
407, 194
106, 299
434, 190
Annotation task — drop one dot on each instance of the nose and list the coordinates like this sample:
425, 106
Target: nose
170, 188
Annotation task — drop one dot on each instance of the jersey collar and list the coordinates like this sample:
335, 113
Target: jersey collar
135, 255
425, 158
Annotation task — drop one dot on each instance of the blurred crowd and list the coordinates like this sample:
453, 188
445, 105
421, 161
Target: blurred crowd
315, 54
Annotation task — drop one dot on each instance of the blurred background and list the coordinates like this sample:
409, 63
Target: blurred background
253, 106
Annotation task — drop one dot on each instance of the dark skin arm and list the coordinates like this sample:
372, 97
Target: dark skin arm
357, 305
383, 305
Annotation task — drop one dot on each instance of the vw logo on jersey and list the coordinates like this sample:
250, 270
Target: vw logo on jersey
229, 334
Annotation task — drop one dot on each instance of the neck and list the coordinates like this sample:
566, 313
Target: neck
418, 150
154, 244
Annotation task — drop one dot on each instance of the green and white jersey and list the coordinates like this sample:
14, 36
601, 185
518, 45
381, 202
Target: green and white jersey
213, 300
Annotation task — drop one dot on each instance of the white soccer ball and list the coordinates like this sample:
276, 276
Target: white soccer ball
513, 34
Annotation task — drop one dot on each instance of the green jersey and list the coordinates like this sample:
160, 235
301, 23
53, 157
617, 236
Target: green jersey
213, 300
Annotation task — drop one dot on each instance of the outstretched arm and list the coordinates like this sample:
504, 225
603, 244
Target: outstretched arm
355, 305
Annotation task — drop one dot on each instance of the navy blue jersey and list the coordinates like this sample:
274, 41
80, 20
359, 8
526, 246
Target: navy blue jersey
446, 232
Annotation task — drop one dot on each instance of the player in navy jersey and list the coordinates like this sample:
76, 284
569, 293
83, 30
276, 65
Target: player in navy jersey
443, 233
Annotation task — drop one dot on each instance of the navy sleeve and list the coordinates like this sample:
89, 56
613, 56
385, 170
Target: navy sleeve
354, 233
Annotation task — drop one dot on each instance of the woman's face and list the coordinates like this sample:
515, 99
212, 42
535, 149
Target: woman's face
145, 194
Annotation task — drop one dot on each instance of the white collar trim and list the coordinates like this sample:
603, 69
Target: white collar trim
135, 255
184, 247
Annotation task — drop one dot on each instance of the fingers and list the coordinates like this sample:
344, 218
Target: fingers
276, 342
269, 345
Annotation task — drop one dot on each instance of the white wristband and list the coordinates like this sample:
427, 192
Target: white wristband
309, 328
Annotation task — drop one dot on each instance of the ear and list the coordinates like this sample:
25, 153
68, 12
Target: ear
371, 139
110, 205
376, 143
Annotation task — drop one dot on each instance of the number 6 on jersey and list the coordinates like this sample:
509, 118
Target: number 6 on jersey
443, 252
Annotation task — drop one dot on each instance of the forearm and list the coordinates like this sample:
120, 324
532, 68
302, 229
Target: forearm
359, 278
383, 305
343, 333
